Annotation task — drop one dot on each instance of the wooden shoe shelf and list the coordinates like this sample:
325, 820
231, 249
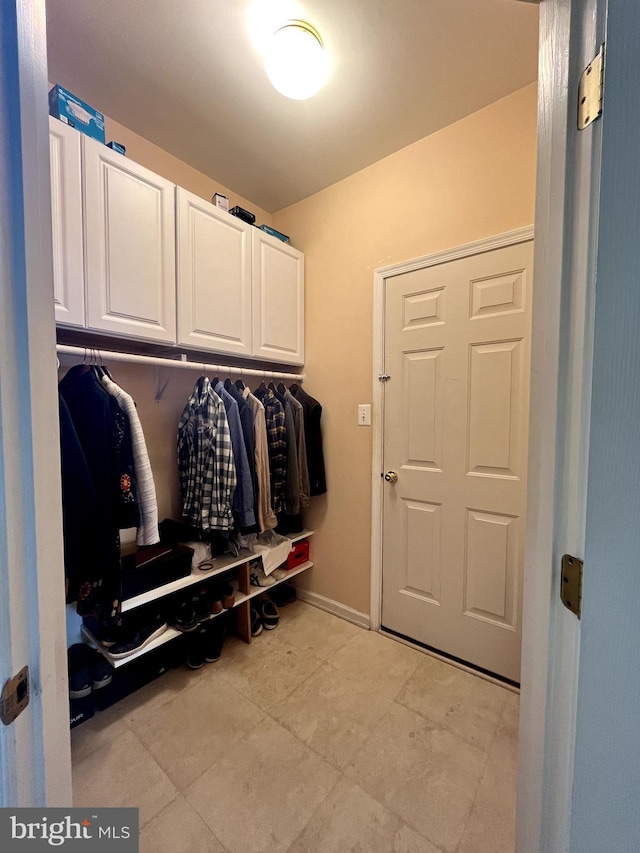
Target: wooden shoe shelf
243, 590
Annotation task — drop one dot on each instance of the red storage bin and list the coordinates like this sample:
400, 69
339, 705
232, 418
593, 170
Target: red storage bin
299, 555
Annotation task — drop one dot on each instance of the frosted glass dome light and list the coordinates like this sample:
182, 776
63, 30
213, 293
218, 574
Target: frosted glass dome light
295, 61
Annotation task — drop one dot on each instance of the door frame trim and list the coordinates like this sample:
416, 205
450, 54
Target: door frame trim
477, 247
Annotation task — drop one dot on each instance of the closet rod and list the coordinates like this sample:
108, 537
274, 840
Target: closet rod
155, 361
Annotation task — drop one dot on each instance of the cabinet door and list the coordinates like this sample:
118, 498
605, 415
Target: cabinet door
214, 277
66, 221
278, 300
130, 246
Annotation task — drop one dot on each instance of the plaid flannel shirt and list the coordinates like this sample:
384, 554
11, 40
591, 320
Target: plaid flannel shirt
205, 461
277, 444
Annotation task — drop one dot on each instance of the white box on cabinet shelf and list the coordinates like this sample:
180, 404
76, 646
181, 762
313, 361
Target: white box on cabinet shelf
221, 201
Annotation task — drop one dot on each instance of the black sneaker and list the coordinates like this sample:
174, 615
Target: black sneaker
269, 615
79, 663
201, 603
184, 618
256, 623
195, 654
214, 640
283, 594
139, 638
101, 672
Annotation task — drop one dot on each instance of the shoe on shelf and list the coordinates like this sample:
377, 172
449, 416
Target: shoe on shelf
269, 614
184, 618
214, 640
79, 657
216, 601
256, 623
139, 638
195, 652
279, 574
201, 603
283, 594
228, 596
257, 575
101, 671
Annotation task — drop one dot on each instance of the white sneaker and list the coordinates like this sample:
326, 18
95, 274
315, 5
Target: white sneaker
279, 574
258, 577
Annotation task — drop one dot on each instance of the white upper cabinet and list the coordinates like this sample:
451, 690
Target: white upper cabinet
66, 220
213, 277
278, 300
129, 221
118, 230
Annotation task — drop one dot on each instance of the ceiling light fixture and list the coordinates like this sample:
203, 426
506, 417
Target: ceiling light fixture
295, 60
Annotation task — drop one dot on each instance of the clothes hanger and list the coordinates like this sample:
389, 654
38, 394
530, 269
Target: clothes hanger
263, 386
281, 386
105, 370
85, 367
200, 380
97, 369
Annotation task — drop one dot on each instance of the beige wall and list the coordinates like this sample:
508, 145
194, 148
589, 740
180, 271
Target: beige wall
470, 180
180, 173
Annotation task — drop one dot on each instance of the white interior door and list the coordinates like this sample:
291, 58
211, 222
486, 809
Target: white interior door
455, 433
35, 762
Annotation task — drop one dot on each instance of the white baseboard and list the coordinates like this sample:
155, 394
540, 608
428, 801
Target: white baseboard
363, 620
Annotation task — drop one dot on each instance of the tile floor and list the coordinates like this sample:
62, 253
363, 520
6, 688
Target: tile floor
320, 737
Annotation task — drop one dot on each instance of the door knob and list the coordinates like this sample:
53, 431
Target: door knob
391, 477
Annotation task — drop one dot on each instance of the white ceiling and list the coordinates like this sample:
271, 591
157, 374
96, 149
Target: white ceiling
186, 75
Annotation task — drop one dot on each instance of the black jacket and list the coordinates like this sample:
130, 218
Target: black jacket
313, 436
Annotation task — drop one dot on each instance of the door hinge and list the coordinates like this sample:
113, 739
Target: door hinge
571, 583
15, 696
590, 91
383, 377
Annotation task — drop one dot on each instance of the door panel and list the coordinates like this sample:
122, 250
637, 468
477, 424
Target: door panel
423, 576
489, 567
495, 404
456, 414
423, 414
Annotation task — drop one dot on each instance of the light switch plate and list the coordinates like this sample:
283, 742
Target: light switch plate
364, 414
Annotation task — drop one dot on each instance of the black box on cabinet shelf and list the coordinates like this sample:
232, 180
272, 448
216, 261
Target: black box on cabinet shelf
149, 568
129, 677
243, 214
81, 710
